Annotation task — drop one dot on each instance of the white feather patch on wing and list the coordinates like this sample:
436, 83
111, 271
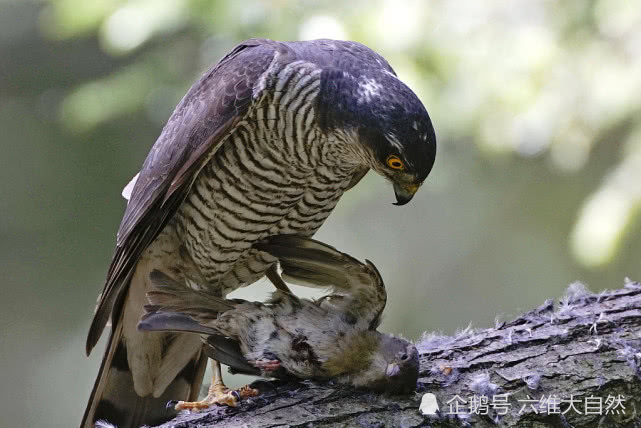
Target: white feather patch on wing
368, 89
126, 192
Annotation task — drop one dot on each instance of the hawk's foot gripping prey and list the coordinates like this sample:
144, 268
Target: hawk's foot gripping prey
218, 394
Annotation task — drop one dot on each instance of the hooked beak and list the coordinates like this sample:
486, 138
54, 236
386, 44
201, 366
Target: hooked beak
392, 370
404, 193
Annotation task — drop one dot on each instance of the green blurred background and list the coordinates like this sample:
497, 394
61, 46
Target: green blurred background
537, 181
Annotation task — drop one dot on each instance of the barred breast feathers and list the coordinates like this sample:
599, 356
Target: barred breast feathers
277, 172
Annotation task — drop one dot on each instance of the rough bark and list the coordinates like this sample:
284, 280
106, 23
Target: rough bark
587, 346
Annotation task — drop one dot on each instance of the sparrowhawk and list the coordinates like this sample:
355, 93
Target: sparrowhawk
264, 143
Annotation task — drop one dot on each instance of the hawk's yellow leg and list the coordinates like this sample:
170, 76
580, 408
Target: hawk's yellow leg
218, 393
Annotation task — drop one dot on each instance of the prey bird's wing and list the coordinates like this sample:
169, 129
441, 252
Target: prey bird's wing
196, 129
316, 264
312, 263
227, 351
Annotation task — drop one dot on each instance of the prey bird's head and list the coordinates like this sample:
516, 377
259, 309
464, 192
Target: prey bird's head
394, 366
392, 128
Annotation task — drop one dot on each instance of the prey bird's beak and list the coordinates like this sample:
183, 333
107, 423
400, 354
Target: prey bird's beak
404, 193
392, 370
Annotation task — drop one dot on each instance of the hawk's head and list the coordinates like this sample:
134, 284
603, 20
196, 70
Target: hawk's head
391, 124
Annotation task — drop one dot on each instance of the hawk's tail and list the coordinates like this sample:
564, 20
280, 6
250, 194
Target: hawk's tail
115, 399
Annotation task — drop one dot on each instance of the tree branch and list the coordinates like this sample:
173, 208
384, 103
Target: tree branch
588, 347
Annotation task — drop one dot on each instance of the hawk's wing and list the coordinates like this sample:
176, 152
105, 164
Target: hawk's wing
201, 121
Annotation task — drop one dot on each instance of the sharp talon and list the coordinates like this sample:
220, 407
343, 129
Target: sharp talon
247, 392
219, 395
171, 405
261, 384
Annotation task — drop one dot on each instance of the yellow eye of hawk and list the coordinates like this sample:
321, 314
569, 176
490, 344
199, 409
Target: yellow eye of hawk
395, 163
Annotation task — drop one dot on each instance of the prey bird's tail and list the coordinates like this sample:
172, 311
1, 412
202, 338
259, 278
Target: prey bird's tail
141, 372
218, 347
173, 308
168, 295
